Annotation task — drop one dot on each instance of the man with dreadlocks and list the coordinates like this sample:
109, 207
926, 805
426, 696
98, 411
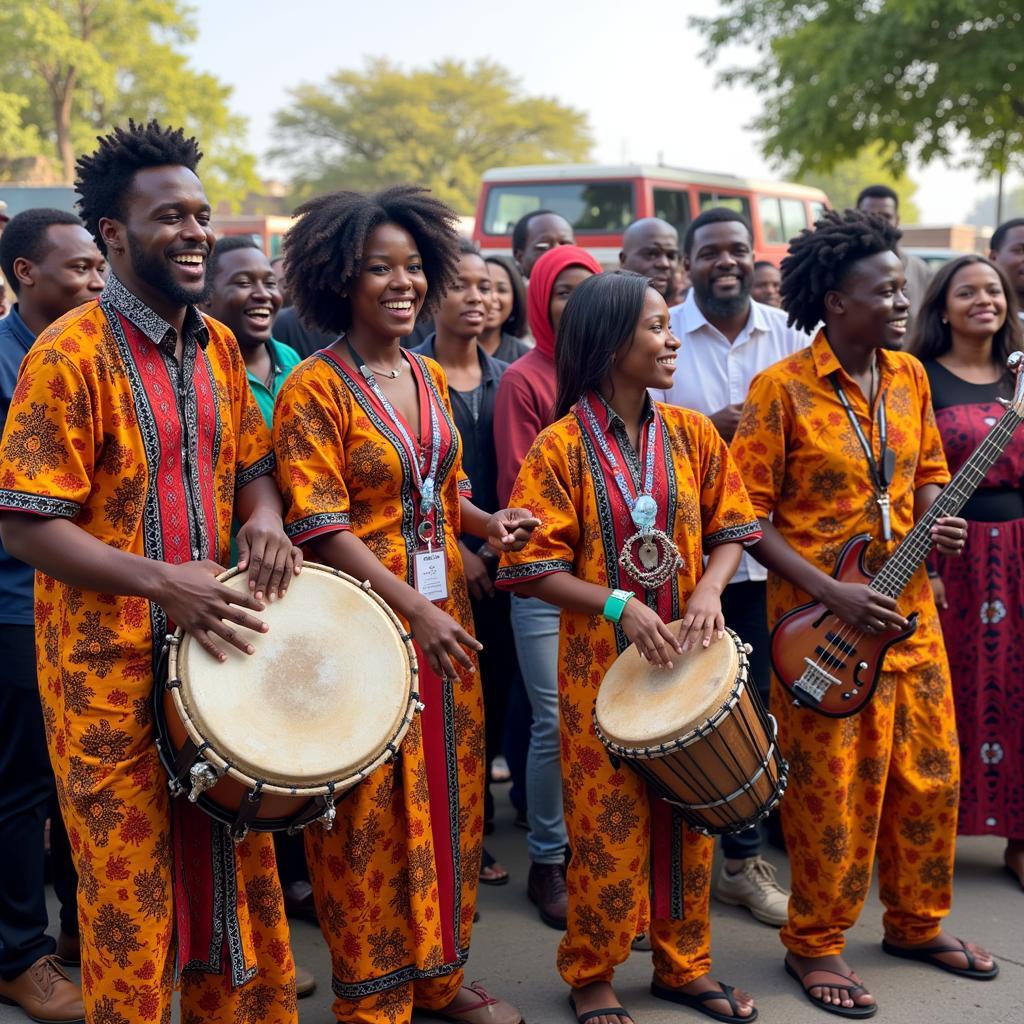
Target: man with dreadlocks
132, 442
883, 782
370, 464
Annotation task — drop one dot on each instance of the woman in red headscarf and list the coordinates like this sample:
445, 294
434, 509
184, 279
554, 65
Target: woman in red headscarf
524, 407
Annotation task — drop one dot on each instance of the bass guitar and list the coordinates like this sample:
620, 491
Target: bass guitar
832, 667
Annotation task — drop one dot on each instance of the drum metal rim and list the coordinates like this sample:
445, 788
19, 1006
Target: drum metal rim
708, 726
330, 786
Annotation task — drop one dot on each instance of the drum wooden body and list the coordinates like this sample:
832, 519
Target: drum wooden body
272, 740
696, 732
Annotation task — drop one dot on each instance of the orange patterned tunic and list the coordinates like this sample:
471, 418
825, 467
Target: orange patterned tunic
633, 856
885, 780
396, 879
105, 429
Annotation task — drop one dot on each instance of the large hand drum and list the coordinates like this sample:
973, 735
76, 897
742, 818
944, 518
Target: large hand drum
696, 732
272, 740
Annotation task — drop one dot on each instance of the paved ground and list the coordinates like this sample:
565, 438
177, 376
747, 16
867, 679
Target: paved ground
513, 954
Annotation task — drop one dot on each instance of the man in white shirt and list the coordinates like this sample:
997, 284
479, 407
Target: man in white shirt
726, 338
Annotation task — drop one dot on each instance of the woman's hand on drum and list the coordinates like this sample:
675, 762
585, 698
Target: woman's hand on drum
199, 603
653, 639
441, 639
268, 553
703, 621
863, 608
509, 529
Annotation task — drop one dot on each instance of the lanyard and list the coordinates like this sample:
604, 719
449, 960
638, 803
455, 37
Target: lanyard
643, 509
424, 486
881, 474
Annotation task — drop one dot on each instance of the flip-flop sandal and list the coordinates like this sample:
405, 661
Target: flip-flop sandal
487, 864
674, 995
855, 1011
929, 955
611, 1011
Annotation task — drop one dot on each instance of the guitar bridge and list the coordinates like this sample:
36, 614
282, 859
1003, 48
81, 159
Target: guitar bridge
814, 683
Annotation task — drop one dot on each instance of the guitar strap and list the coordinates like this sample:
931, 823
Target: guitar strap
881, 473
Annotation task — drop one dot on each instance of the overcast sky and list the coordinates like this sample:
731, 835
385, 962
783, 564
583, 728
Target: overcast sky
642, 83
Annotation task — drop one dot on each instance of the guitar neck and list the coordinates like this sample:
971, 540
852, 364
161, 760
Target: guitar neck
893, 577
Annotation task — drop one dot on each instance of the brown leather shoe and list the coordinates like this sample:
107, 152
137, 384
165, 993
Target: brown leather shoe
45, 993
546, 888
69, 949
478, 1007
305, 983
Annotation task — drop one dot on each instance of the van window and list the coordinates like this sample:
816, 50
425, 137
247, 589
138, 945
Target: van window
673, 205
817, 211
598, 207
741, 204
772, 232
794, 220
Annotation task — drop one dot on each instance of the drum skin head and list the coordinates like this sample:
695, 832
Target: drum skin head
642, 706
328, 680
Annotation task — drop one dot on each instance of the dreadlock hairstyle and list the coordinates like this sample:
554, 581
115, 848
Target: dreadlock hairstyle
819, 259
105, 177
324, 249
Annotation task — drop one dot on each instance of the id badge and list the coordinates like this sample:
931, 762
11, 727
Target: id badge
430, 569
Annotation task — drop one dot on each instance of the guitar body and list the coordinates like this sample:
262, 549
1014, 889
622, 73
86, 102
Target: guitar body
826, 665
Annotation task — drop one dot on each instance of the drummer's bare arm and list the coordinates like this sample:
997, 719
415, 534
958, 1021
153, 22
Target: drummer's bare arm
506, 530
189, 593
263, 546
439, 636
642, 625
703, 620
854, 603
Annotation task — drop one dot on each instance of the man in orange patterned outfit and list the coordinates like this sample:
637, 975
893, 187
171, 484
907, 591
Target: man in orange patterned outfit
131, 443
883, 781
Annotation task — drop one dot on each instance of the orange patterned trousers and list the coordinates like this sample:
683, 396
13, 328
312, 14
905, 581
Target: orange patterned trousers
883, 782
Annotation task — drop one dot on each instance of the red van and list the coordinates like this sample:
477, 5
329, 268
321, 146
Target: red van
601, 201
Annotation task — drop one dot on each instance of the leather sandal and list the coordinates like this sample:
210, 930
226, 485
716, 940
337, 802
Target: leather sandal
487, 1010
697, 1002
930, 955
611, 1011
850, 987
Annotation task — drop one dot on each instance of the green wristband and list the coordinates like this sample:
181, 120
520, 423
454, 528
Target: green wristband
616, 604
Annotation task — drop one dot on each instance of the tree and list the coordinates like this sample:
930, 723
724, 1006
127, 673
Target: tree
869, 167
441, 127
78, 67
983, 214
925, 79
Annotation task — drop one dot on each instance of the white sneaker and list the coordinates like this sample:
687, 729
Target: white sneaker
754, 886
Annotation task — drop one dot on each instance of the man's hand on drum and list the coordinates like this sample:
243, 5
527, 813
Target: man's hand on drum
703, 621
653, 639
509, 528
194, 599
268, 553
442, 639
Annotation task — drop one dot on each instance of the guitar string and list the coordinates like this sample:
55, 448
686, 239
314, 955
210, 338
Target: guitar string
979, 463
976, 464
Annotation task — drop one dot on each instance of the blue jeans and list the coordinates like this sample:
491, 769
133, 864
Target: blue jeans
535, 625
745, 608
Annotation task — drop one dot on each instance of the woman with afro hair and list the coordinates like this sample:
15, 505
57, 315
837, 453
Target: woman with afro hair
370, 468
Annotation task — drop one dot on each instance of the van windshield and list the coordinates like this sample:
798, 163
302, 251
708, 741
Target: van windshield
591, 207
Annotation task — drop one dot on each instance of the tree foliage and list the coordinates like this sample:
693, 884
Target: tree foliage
440, 126
869, 167
924, 78
78, 67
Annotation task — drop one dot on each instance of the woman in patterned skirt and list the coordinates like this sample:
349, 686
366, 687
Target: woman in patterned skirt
371, 472
618, 464
966, 328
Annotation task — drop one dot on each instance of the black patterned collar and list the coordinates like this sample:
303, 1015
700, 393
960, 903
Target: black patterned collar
152, 325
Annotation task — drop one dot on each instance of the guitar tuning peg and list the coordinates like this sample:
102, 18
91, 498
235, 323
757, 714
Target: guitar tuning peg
1005, 403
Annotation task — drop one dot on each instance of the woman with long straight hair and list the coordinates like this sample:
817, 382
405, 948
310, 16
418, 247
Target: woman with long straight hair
966, 328
615, 465
506, 325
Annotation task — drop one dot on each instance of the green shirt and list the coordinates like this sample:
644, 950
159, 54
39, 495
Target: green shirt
285, 359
